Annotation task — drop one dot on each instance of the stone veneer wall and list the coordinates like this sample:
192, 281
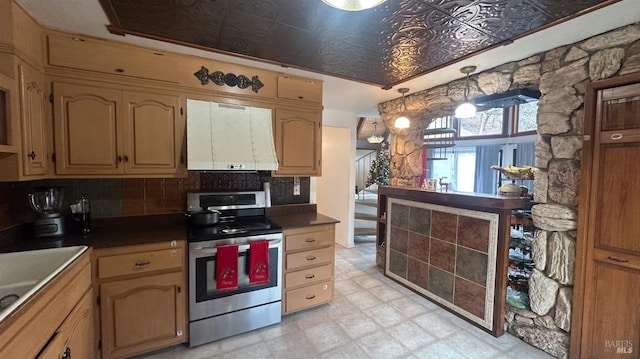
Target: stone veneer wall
561, 75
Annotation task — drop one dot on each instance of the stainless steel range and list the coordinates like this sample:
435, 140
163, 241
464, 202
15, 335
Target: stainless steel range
216, 310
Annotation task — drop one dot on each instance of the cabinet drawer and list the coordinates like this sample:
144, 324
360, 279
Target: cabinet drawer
300, 89
308, 276
321, 236
142, 262
310, 296
309, 258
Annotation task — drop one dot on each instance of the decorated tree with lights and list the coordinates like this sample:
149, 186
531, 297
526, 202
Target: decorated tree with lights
380, 170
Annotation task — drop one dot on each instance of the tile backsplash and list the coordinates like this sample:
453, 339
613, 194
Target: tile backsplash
140, 196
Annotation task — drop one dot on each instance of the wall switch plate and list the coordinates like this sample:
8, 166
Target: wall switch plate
296, 186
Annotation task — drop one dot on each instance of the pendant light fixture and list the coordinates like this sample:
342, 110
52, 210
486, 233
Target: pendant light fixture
466, 109
403, 120
375, 138
353, 5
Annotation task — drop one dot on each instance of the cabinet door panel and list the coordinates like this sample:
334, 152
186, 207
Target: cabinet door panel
616, 312
75, 335
156, 133
86, 129
618, 199
33, 116
142, 314
298, 138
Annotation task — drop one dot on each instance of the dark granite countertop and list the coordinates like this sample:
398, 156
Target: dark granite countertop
122, 231
298, 215
303, 219
106, 232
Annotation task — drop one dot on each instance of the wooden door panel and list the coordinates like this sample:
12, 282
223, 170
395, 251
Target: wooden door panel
75, 335
298, 142
155, 131
616, 312
618, 224
606, 320
87, 128
33, 116
142, 314
298, 137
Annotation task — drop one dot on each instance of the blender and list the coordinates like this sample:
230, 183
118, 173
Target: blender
46, 202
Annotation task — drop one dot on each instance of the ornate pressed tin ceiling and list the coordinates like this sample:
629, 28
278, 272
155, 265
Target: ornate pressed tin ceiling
385, 45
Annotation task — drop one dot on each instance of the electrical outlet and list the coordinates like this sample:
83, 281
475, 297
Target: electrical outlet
296, 186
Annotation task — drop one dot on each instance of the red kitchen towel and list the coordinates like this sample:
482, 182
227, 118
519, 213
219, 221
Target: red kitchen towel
227, 267
259, 262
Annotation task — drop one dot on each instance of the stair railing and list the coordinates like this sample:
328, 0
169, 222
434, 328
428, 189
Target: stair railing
363, 164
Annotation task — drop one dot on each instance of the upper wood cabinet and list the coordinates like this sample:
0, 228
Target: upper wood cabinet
25, 129
103, 131
85, 53
33, 117
156, 132
298, 142
295, 88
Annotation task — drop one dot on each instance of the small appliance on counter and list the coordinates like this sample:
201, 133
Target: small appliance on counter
81, 215
46, 202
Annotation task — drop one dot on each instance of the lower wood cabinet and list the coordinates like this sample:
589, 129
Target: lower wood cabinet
141, 298
57, 322
309, 254
74, 338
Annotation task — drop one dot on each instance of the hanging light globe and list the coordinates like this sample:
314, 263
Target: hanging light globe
402, 122
466, 110
353, 5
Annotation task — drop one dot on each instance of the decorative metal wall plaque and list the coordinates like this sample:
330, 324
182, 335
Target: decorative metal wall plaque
220, 78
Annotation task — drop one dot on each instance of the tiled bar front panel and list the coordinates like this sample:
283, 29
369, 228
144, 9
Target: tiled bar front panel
447, 254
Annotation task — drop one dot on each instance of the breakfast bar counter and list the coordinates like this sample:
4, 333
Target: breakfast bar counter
450, 247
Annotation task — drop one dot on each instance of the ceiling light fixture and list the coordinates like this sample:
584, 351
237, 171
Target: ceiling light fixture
403, 120
375, 138
466, 109
353, 5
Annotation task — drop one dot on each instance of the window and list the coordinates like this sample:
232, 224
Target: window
526, 119
485, 123
465, 156
458, 168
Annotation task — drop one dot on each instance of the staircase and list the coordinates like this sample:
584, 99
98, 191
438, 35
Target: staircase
366, 210
366, 201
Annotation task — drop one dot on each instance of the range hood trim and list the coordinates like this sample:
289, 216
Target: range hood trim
230, 138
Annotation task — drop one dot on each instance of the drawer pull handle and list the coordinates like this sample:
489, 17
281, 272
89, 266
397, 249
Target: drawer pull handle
311, 258
310, 276
616, 136
142, 264
310, 240
312, 296
619, 260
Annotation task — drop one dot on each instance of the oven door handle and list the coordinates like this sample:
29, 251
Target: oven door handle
241, 248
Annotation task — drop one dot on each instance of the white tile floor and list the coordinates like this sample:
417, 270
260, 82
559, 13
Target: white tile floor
371, 317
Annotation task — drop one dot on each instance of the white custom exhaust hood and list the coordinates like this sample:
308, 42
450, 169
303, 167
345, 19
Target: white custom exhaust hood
229, 137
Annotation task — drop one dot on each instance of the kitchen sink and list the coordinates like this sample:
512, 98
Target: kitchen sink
23, 273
